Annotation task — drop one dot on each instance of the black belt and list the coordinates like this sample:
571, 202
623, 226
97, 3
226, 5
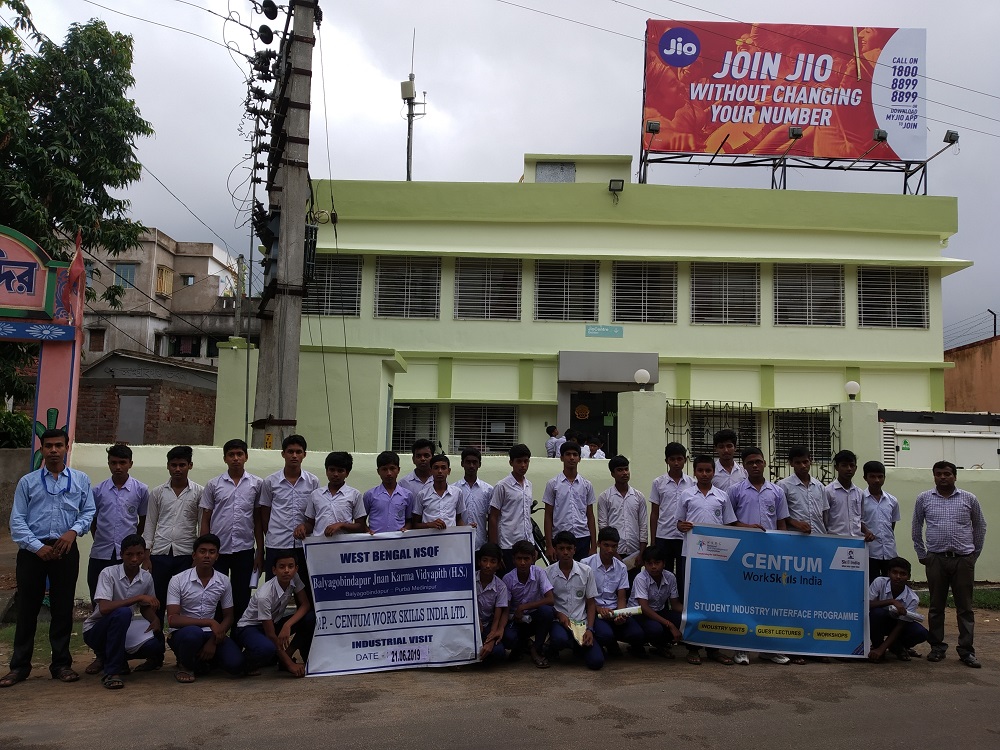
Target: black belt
952, 553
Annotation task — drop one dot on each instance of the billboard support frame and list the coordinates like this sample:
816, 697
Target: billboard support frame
914, 172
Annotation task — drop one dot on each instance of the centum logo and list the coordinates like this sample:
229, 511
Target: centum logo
679, 47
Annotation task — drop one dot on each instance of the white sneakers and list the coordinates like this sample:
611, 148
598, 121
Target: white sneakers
776, 658
741, 657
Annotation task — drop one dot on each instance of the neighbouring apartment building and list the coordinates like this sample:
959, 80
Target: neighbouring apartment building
478, 313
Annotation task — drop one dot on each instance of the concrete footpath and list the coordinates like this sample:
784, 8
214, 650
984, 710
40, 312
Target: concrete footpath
629, 703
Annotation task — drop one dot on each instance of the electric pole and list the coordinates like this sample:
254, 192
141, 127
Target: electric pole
275, 408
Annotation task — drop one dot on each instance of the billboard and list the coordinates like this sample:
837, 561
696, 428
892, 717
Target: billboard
736, 88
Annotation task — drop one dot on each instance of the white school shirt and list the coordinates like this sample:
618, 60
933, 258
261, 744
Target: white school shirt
881, 588
878, 517
431, 506
269, 600
569, 501
232, 507
287, 502
666, 493
325, 508
657, 595
412, 483
172, 520
725, 479
598, 454
114, 586
551, 447
197, 601
584, 451
514, 503
609, 580
477, 498
713, 509
845, 509
806, 503
571, 592
531, 590
628, 514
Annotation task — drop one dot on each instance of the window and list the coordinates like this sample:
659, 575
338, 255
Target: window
412, 421
336, 286
566, 290
187, 279
97, 339
706, 422
809, 427
88, 270
893, 297
491, 429
808, 295
407, 287
185, 346
645, 292
125, 275
487, 289
725, 293
164, 281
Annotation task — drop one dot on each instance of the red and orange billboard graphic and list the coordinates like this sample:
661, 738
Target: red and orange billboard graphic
741, 86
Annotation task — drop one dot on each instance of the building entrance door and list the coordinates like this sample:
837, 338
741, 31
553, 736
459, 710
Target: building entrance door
595, 413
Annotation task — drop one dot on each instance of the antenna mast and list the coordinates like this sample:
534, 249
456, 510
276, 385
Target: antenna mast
409, 91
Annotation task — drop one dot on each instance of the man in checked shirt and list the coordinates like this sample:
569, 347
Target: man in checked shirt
955, 534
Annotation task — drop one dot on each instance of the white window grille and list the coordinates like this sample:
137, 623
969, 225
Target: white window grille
336, 286
125, 275
491, 429
725, 293
644, 292
407, 287
487, 289
566, 290
893, 297
808, 294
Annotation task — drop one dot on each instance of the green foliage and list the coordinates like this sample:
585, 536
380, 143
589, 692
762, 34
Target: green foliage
15, 358
982, 598
15, 430
67, 136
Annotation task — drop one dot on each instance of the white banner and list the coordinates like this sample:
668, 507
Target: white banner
393, 601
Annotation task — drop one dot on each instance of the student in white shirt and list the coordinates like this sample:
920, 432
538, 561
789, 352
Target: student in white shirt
198, 640
623, 508
439, 505
879, 513
575, 593
510, 506
283, 498
477, 495
121, 589
266, 633
569, 505
728, 473
421, 454
336, 508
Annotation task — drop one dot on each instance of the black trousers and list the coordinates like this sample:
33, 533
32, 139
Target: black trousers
31, 574
94, 568
165, 567
239, 567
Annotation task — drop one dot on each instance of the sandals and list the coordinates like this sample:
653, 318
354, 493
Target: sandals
540, 661
797, 659
95, 666
184, 677
65, 674
693, 658
148, 666
903, 655
723, 659
12, 678
112, 682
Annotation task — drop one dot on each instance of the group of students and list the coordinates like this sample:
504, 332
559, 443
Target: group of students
189, 556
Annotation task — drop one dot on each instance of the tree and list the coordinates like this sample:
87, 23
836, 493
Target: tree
68, 132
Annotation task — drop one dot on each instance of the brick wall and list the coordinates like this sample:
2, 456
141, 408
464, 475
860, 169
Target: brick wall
175, 414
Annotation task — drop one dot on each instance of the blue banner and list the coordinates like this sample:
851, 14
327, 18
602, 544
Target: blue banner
393, 601
776, 591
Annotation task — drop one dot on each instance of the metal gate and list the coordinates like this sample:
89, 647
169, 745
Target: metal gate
817, 428
694, 423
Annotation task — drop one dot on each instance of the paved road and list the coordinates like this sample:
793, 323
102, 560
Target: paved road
629, 704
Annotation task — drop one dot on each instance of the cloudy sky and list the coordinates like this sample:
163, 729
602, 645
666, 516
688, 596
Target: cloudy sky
505, 78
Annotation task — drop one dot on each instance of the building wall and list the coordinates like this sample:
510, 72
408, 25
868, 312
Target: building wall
971, 385
175, 413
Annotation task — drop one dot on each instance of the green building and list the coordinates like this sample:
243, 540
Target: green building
478, 313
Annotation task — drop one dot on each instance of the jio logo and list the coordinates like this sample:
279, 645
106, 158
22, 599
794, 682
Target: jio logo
679, 47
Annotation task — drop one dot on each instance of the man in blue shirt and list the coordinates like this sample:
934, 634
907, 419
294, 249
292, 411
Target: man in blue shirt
52, 507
